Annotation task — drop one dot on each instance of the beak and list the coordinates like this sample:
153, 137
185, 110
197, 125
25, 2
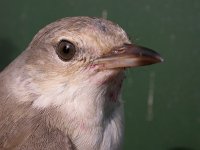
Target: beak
129, 56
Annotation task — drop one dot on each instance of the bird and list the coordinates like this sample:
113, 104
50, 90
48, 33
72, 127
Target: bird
63, 92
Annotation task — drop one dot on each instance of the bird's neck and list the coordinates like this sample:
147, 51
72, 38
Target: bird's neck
88, 112
93, 115
89, 103
94, 119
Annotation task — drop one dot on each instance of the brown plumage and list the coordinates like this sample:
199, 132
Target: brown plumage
63, 91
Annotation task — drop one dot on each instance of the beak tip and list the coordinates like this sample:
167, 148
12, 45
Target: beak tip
160, 59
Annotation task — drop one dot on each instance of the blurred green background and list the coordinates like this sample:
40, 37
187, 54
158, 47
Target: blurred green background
162, 101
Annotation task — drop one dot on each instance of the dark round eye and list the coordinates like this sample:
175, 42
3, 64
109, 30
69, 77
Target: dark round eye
65, 50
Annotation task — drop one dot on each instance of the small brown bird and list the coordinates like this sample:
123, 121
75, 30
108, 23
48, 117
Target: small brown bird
63, 91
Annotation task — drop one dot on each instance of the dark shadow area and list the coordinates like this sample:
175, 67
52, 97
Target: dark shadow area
7, 52
181, 148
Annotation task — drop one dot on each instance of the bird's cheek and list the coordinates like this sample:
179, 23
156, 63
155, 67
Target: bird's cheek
106, 77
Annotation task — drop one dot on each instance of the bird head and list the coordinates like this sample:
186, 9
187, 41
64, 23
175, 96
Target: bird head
69, 78
78, 57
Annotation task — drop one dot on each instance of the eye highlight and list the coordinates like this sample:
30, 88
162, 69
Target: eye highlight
65, 50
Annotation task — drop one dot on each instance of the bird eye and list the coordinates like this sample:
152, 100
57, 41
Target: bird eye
65, 50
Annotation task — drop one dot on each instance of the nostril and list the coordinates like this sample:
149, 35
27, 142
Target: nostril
119, 50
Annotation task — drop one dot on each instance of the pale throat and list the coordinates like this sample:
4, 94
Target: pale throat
91, 106
100, 89
95, 109
95, 96
99, 94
